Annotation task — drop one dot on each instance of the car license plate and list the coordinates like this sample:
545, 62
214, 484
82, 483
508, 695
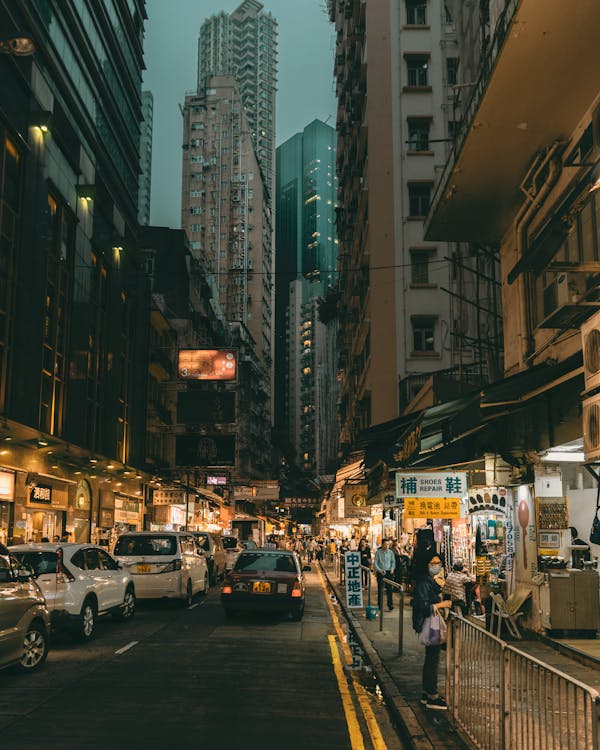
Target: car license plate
261, 587
143, 568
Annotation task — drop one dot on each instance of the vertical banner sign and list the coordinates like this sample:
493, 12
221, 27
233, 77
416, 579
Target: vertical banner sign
354, 597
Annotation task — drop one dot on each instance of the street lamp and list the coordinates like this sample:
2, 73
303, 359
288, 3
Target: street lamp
18, 46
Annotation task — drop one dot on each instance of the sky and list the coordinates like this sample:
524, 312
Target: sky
305, 79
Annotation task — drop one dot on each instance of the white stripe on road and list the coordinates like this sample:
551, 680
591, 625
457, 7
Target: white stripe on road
127, 647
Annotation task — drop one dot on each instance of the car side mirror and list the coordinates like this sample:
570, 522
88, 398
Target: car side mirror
306, 568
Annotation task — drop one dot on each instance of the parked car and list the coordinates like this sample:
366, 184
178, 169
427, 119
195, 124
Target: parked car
214, 552
24, 617
80, 582
265, 580
163, 564
232, 550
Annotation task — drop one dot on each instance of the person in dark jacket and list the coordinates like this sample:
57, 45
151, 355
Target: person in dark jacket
426, 595
365, 561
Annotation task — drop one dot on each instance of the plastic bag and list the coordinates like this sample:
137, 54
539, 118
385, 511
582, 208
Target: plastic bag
434, 630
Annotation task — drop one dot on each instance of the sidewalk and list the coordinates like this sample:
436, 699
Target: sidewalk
400, 676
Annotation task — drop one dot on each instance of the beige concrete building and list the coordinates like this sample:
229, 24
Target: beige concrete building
403, 315
224, 209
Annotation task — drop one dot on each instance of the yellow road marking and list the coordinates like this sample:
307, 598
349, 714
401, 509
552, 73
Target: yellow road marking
372, 725
356, 739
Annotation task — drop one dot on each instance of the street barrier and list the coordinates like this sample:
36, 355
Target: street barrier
504, 699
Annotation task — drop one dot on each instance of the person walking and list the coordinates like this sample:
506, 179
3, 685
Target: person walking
426, 598
365, 561
384, 564
455, 587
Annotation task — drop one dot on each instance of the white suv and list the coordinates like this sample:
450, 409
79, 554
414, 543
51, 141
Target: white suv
79, 582
163, 564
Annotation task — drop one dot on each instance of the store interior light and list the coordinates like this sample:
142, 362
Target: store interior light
87, 193
17, 46
41, 119
564, 457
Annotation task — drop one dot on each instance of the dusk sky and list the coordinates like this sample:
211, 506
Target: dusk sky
305, 79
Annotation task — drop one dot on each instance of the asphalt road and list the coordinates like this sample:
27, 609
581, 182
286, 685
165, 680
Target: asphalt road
177, 677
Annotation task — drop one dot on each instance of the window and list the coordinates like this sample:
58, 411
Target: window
452, 70
423, 329
418, 134
416, 12
419, 264
416, 69
106, 561
419, 194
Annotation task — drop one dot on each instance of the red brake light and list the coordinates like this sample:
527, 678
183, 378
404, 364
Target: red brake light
227, 590
296, 590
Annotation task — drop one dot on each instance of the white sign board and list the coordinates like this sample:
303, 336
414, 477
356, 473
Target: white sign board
354, 594
431, 484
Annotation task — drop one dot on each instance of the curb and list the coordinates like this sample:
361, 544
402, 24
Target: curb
411, 728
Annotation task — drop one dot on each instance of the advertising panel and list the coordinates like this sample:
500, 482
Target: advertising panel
205, 450
207, 364
431, 484
194, 407
356, 500
354, 597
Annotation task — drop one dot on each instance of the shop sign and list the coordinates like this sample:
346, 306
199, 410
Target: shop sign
216, 481
354, 597
431, 484
168, 497
488, 499
355, 650
7, 485
107, 518
355, 496
302, 502
391, 501
41, 493
432, 507
127, 510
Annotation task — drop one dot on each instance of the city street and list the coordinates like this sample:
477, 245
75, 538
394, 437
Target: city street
175, 675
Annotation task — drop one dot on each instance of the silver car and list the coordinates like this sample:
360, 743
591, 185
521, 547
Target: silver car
24, 618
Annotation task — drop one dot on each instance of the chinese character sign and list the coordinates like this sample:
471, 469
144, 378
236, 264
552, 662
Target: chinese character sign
354, 597
431, 484
432, 507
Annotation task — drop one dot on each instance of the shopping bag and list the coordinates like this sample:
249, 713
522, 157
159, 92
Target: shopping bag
434, 630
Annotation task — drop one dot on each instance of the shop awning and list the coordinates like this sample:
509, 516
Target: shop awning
211, 496
533, 382
352, 471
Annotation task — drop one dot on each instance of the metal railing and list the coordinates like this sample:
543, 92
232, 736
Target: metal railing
504, 699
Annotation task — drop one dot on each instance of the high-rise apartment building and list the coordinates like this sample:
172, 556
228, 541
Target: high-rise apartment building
224, 210
306, 263
244, 44
145, 179
402, 318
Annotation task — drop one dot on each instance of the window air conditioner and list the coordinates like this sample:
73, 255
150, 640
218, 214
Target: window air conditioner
564, 289
591, 427
590, 344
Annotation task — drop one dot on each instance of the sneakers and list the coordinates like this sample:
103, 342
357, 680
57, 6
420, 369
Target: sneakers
438, 704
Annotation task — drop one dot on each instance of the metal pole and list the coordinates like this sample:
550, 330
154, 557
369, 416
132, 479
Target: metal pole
187, 498
380, 602
401, 622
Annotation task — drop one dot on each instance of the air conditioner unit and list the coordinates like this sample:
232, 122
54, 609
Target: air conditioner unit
591, 427
590, 345
561, 300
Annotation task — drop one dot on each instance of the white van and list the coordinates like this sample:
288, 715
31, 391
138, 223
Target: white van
163, 564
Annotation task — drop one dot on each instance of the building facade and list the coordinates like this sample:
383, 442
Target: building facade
523, 174
145, 180
306, 261
74, 297
243, 44
402, 302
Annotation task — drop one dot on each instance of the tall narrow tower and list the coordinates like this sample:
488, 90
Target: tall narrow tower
243, 44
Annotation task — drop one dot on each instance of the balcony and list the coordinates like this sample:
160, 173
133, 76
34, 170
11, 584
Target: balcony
537, 82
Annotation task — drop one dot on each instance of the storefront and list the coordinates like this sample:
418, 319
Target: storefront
7, 504
41, 508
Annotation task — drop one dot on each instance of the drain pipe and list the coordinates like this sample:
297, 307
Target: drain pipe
522, 222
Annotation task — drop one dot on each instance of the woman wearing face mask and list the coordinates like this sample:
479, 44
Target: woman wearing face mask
425, 596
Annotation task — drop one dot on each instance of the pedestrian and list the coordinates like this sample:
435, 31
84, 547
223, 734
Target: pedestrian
402, 562
353, 546
385, 564
426, 599
45, 539
365, 561
56, 538
455, 587
320, 550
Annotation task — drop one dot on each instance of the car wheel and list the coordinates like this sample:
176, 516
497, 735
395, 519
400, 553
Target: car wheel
35, 648
87, 621
127, 609
189, 596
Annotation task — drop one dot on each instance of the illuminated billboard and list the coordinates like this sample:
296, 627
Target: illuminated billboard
207, 364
